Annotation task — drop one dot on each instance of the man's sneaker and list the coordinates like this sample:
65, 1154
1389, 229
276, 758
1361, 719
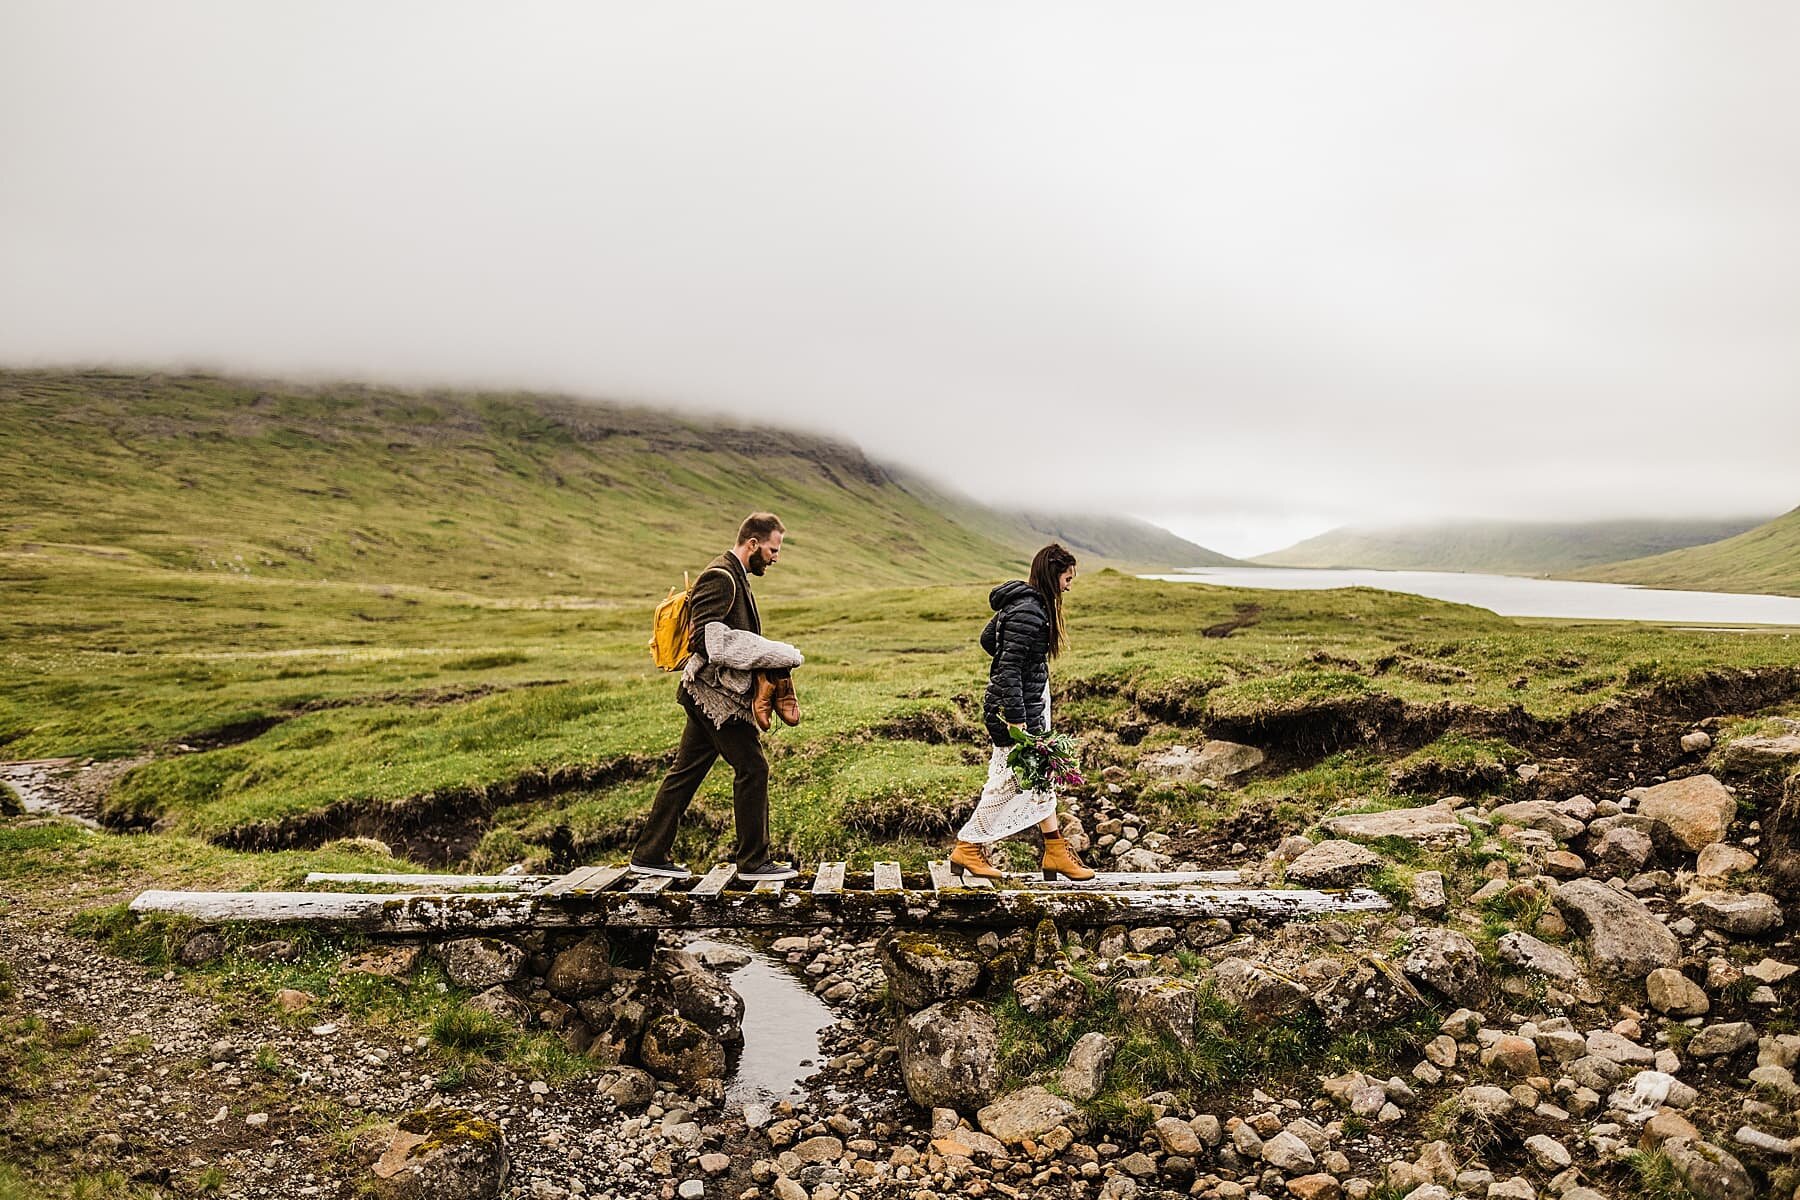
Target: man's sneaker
668, 870
766, 872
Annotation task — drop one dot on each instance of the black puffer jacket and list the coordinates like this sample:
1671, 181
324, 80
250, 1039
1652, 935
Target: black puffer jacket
1018, 638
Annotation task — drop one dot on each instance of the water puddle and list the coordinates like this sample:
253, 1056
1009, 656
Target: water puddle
782, 1024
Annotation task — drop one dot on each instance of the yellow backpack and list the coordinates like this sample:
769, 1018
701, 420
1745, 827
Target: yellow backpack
669, 630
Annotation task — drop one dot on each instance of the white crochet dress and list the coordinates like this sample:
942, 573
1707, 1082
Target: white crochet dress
1005, 809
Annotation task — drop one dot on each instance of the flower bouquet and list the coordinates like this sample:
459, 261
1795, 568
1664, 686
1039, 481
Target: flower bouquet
1044, 761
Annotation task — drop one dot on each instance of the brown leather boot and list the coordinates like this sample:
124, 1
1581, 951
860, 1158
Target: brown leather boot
787, 704
970, 858
1060, 860
762, 701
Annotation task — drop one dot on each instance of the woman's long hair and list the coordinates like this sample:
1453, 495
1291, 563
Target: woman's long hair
1046, 581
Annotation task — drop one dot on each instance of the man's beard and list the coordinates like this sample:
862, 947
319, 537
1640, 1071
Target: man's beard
757, 563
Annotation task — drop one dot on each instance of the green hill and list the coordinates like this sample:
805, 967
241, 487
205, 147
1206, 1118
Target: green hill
492, 494
1764, 559
1501, 547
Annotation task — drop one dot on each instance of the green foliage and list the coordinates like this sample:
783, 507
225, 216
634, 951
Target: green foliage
1656, 1178
461, 1028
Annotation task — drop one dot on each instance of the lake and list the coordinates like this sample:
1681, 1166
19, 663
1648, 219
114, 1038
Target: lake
1514, 596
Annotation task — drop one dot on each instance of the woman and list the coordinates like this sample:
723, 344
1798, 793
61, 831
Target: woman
1024, 635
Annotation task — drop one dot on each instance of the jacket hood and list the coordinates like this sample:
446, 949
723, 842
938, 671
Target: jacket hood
1010, 593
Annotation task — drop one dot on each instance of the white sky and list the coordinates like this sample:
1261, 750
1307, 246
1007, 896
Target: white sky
1249, 269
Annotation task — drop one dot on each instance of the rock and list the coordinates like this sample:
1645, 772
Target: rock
1742, 914
293, 1000
1263, 994
1674, 994
1515, 1056
924, 969
498, 1002
1621, 850
1176, 1136
1707, 1171
1372, 994
628, 1087
1565, 864
1697, 810
1771, 972
1028, 1113
480, 962
1432, 826
678, 1050
787, 1189
1530, 954
1215, 762
1715, 1041
1153, 940
707, 1000
1164, 1007
1050, 994
691, 1189
1666, 1123
1488, 1101
584, 969
1142, 860
1333, 864
1315, 1187
1604, 1043
1625, 940
1751, 754
821, 1149
1696, 742
442, 1154
1537, 814
1288, 1153
201, 947
1448, 963
1721, 859
1427, 893
1084, 1075
1292, 847
950, 1055
1548, 1153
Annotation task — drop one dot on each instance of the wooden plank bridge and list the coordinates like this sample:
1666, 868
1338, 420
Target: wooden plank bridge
831, 894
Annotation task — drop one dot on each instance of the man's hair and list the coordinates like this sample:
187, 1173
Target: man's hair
759, 525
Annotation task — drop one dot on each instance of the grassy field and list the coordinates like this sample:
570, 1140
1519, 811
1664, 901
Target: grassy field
1764, 559
295, 697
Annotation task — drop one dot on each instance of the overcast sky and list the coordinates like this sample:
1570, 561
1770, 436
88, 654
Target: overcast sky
1250, 269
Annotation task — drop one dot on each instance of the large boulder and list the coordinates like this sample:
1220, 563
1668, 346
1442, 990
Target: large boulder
1215, 762
1625, 939
584, 969
1751, 754
1333, 864
1674, 994
1539, 814
1162, 1007
1707, 1171
1742, 914
678, 1050
1028, 1113
1372, 994
1432, 826
1084, 1075
442, 1154
1697, 811
1050, 994
480, 962
1528, 953
1448, 963
950, 1055
1263, 993
924, 969
707, 1000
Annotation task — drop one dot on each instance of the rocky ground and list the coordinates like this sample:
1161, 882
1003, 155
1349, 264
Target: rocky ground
1574, 996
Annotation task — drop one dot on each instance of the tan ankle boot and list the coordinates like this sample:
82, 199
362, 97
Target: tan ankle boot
1060, 860
971, 859
787, 703
762, 701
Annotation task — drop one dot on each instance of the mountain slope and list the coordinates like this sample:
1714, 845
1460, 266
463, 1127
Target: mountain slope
1501, 547
1763, 559
503, 495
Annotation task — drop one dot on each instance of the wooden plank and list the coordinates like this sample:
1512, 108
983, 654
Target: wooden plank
656, 909
570, 882
715, 881
441, 883
830, 879
652, 885
1123, 880
769, 885
943, 878
887, 877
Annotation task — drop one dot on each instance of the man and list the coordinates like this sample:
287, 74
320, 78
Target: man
734, 679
